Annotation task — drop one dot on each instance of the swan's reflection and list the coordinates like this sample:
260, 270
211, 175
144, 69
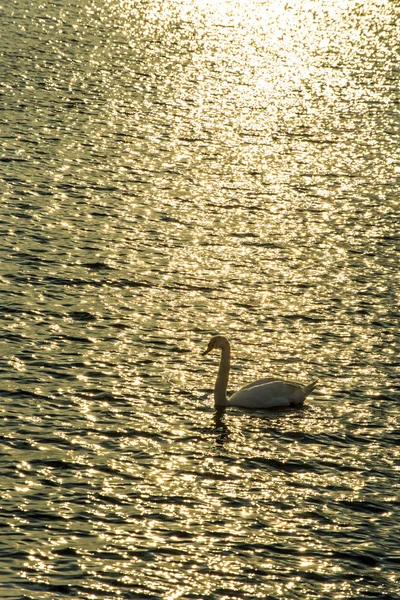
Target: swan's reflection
220, 426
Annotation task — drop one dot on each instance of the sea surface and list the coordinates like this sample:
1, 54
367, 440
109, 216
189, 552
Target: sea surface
170, 170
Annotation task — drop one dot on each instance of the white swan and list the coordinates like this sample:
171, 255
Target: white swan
263, 393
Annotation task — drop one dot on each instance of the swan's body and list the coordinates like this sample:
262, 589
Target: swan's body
263, 393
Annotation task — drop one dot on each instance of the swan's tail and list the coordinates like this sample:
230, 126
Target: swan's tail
309, 388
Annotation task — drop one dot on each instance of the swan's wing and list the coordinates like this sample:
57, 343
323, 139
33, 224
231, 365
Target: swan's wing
270, 380
268, 395
259, 382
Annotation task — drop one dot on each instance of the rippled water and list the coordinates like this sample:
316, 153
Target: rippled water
170, 170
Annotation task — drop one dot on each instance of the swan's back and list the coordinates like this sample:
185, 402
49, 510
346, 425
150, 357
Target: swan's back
270, 393
259, 382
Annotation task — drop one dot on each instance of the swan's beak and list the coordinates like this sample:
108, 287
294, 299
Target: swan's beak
206, 351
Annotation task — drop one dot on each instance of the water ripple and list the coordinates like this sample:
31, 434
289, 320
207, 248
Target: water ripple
168, 173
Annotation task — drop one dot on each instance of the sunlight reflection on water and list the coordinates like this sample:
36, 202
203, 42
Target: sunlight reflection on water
170, 171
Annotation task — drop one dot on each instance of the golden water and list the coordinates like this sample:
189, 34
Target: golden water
172, 170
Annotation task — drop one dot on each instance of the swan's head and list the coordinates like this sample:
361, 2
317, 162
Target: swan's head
218, 341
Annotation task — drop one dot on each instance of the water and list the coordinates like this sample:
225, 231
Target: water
170, 171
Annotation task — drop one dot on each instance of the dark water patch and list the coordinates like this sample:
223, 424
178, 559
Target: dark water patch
132, 434
11, 159
121, 326
305, 438
37, 517
22, 394
67, 551
360, 440
101, 394
130, 283
339, 466
188, 286
315, 516
14, 554
167, 551
23, 309
264, 244
360, 558
65, 282
367, 507
13, 337
98, 266
376, 595
82, 315
235, 502
272, 464
120, 471
208, 476
58, 464
391, 438
76, 338
172, 500
306, 318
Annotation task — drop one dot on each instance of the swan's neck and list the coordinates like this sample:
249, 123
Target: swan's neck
221, 384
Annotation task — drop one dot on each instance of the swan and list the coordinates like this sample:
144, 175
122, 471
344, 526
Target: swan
264, 393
